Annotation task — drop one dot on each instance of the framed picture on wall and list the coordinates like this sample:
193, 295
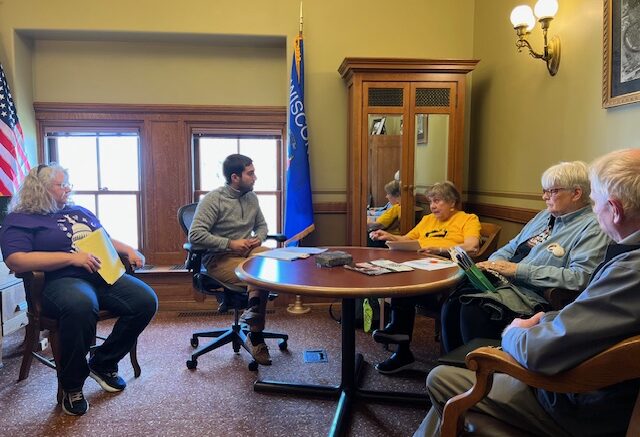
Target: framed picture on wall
621, 53
422, 129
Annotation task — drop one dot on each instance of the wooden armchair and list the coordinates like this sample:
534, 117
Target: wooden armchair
617, 364
34, 286
489, 234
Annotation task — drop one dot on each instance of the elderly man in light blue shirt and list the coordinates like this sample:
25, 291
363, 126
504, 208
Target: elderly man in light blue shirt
605, 313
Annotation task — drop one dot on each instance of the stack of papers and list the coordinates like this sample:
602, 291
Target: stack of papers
393, 266
291, 253
408, 245
430, 263
379, 267
367, 269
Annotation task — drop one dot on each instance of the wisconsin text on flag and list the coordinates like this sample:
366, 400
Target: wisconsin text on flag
13, 161
298, 214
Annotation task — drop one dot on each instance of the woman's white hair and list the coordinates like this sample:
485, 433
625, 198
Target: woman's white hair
617, 175
446, 191
33, 196
573, 174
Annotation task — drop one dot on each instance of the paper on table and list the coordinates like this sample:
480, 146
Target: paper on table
429, 263
408, 245
390, 265
306, 250
98, 243
283, 254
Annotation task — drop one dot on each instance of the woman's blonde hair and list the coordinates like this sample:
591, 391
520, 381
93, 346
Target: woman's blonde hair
33, 196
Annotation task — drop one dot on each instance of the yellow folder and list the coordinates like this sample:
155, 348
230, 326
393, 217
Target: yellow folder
99, 244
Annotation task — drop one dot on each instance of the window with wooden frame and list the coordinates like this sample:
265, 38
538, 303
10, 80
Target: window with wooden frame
104, 168
210, 148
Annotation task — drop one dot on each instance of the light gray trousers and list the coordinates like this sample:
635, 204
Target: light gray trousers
509, 400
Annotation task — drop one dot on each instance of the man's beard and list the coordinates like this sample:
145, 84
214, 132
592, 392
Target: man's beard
244, 189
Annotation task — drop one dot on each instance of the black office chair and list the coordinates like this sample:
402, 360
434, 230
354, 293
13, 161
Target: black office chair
229, 296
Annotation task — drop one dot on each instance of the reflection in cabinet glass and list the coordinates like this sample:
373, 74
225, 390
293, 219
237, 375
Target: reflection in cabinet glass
405, 121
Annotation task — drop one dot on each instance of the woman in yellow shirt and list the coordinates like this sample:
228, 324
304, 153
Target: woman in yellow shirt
390, 219
445, 227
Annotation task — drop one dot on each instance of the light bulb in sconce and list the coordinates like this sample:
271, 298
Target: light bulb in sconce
524, 21
522, 16
546, 9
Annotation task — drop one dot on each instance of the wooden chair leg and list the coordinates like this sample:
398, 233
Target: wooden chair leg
32, 334
55, 349
133, 354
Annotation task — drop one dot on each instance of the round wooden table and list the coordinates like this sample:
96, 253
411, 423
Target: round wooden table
304, 277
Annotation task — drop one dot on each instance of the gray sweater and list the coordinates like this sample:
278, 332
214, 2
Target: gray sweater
225, 214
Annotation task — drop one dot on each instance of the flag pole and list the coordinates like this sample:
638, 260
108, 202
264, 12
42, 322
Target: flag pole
298, 307
300, 29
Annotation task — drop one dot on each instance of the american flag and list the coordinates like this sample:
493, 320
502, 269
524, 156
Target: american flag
13, 161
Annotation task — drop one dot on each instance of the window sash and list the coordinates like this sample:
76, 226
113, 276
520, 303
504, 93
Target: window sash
53, 153
239, 135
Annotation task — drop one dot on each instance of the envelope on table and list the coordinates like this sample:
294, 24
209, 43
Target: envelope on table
99, 244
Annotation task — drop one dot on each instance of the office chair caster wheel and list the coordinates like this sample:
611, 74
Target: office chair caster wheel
192, 364
253, 366
194, 342
282, 345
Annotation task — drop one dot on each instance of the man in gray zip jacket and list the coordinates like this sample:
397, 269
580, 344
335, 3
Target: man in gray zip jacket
228, 221
605, 313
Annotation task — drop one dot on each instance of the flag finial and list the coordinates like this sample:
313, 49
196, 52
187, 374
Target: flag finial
300, 30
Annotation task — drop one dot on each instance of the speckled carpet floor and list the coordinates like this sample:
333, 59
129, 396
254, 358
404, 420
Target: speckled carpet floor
216, 399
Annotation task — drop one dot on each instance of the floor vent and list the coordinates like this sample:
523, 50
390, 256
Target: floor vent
315, 356
210, 313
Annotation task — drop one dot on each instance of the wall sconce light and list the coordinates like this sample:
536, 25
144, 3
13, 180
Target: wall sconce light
523, 22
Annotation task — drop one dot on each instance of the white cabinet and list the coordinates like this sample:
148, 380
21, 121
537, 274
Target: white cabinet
13, 304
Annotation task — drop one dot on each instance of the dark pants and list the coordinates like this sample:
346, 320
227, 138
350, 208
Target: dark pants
75, 303
462, 323
403, 315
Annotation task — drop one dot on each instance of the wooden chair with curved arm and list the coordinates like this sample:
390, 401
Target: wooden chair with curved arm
617, 364
489, 235
34, 286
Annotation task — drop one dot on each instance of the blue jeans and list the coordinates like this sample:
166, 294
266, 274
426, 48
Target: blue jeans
75, 303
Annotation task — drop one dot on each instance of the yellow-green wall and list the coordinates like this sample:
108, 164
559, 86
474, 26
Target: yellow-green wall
38, 39
522, 119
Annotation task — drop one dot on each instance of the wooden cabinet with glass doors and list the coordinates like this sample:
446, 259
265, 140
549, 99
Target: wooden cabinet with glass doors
406, 121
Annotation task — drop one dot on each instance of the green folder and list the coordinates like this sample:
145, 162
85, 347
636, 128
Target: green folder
478, 279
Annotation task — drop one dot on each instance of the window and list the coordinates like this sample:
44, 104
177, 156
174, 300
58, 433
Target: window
210, 150
104, 169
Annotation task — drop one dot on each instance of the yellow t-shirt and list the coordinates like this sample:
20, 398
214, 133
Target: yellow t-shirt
431, 232
390, 219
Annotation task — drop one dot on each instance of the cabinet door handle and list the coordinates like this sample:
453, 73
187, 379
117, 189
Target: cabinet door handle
22, 306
